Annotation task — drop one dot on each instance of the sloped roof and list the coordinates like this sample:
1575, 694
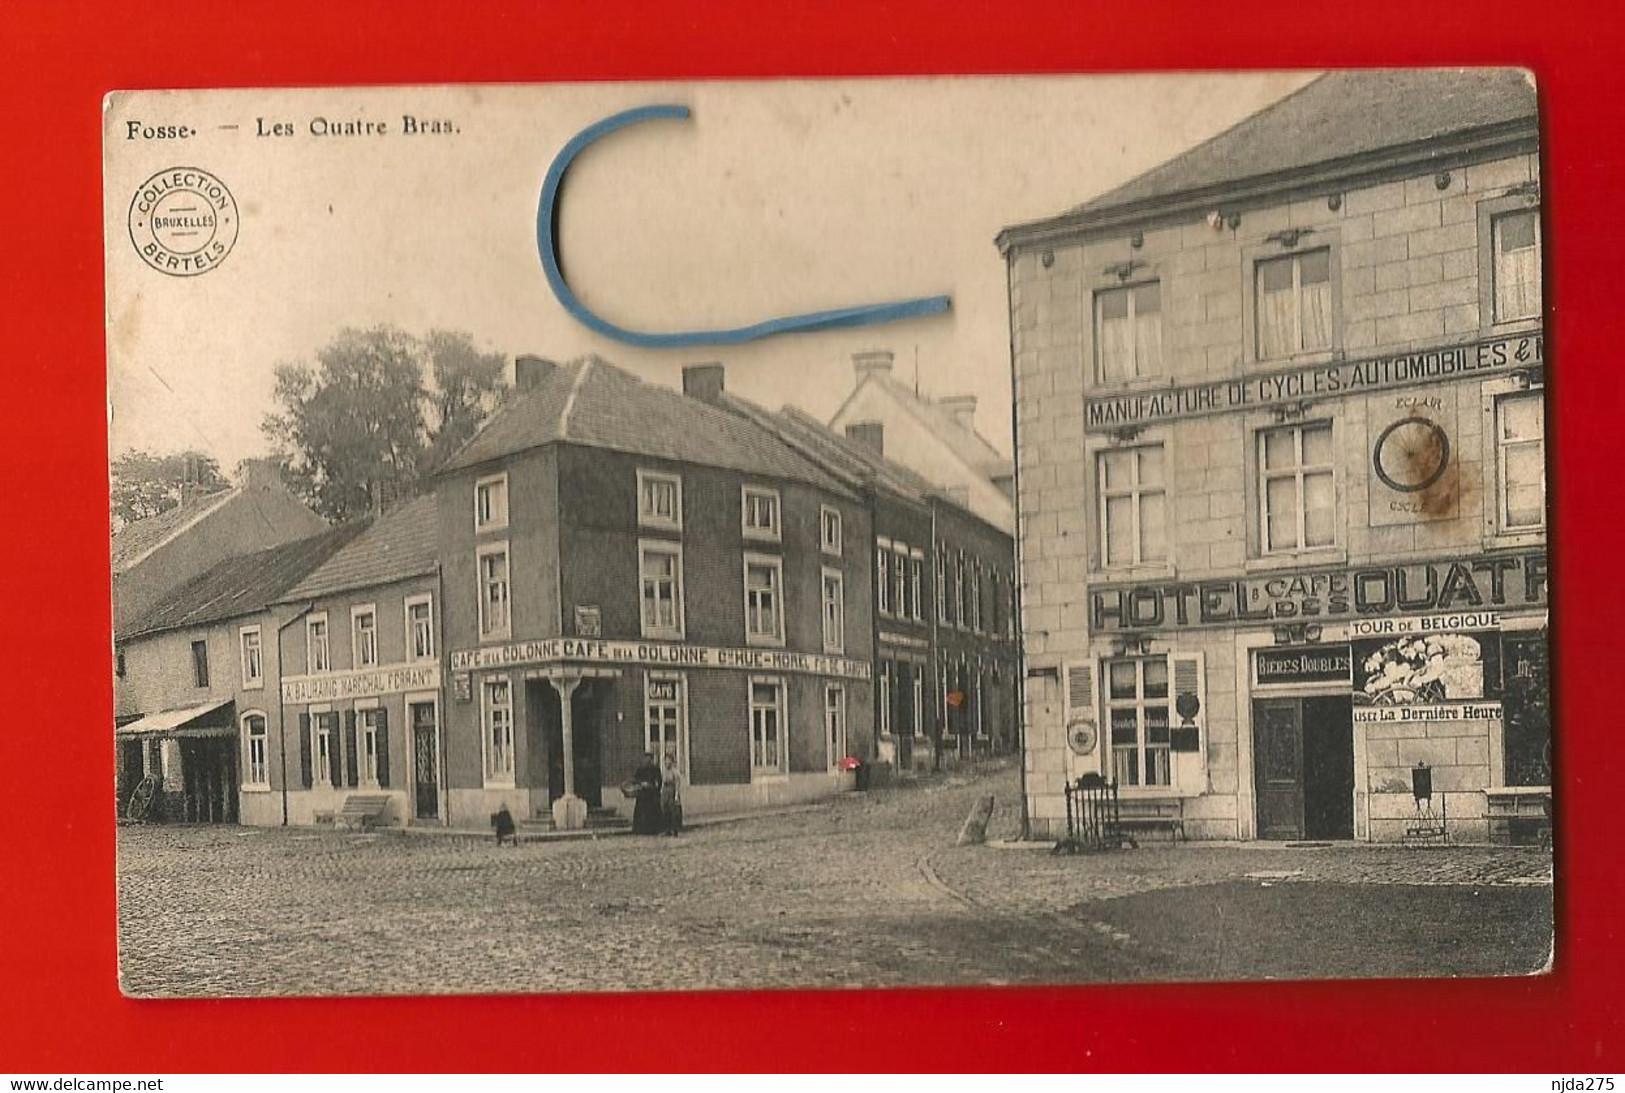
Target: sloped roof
401, 543
1341, 116
593, 403
242, 585
139, 538
972, 448
852, 463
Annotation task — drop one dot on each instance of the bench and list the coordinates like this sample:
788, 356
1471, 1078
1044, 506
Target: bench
362, 811
1159, 814
1516, 815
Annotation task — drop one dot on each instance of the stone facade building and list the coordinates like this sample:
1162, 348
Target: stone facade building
1280, 451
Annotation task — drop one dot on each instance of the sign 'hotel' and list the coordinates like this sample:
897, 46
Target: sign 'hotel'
1281, 450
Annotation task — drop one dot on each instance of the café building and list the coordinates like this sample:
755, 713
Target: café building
1281, 474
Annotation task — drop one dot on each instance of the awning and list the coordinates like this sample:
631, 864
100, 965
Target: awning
179, 723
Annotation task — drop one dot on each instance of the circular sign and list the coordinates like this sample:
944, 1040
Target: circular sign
183, 221
1082, 737
1411, 454
1187, 705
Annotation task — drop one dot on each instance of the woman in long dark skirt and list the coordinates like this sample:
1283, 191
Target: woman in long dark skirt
646, 818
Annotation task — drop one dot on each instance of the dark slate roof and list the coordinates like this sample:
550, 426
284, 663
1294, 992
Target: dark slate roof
242, 585
845, 457
593, 403
402, 543
139, 538
1342, 115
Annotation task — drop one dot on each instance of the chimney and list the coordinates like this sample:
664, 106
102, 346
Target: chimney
871, 362
530, 372
703, 381
962, 408
868, 434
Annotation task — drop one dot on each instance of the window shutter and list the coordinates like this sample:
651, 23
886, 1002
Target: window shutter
383, 746
1082, 717
305, 778
351, 767
1189, 674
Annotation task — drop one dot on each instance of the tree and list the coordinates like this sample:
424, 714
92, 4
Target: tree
147, 483
355, 430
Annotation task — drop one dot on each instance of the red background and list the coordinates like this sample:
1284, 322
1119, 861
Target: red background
60, 1009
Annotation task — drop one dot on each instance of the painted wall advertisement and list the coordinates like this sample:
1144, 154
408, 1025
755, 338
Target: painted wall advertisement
1446, 676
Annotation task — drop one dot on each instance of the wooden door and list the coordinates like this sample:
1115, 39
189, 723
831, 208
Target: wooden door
425, 761
1278, 767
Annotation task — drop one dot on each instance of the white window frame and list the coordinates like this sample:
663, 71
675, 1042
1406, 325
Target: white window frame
482, 552
1128, 290
829, 530
1138, 704
1137, 492
263, 782
762, 772
916, 570
883, 706
749, 530
680, 704
357, 613
899, 580
412, 654
942, 586
675, 550
497, 777
321, 765
836, 736
496, 521
1297, 472
834, 622
647, 517
1256, 300
919, 704
314, 619
253, 666
976, 595
1495, 220
883, 576
1502, 524
776, 564
366, 743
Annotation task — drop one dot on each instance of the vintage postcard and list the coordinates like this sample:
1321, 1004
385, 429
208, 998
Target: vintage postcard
829, 533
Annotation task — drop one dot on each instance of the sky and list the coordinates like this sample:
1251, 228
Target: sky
772, 198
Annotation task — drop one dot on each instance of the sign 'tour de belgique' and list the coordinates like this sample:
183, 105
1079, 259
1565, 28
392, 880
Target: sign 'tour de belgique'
1331, 380
1498, 581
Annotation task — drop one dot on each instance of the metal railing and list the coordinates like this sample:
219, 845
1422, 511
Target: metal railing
1092, 819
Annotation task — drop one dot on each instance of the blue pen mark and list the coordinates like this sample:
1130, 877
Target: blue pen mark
547, 212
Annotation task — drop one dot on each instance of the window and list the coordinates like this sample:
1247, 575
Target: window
420, 628
899, 566
1296, 487
885, 698
764, 611
1515, 265
916, 575
1293, 302
1137, 714
761, 513
660, 576
883, 576
118, 663
835, 746
498, 696
1128, 332
962, 592
834, 612
494, 601
367, 743
660, 500
491, 503
829, 530
253, 658
200, 663
317, 654
1520, 461
942, 586
976, 596
767, 752
1133, 513
919, 704
324, 755
257, 769
364, 636
663, 705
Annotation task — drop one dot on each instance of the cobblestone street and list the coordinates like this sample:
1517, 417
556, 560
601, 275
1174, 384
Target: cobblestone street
865, 890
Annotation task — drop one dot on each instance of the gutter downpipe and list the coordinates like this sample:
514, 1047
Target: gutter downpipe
1025, 831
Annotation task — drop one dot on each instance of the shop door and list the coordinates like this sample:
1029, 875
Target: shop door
1328, 767
425, 761
901, 717
586, 710
1278, 767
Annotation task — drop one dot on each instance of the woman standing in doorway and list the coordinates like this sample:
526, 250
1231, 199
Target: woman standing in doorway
646, 819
